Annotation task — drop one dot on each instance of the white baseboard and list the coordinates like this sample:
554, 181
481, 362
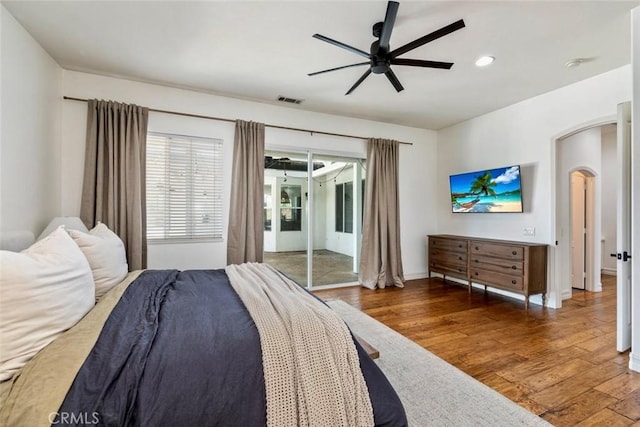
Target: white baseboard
534, 299
634, 361
416, 276
566, 294
609, 271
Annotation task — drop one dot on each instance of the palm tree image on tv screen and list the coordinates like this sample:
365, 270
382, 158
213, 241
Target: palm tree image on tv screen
494, 190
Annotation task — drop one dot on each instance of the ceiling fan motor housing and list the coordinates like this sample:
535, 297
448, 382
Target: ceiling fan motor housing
380, 58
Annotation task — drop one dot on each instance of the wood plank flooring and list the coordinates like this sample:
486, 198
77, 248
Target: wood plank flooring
560, 364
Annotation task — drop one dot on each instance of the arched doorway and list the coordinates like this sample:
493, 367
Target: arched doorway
579, 154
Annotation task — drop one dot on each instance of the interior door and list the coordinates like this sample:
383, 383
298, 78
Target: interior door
578, 228
623, 267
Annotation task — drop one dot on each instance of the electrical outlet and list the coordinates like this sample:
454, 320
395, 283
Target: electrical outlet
529, 231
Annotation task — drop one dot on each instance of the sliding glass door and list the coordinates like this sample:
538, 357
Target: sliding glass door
313, 226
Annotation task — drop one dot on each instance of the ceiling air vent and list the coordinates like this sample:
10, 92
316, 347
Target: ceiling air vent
289, 100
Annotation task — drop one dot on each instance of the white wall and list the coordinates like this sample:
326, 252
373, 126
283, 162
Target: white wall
417, 162
608, 199
30, 135
320, 211
581, 151
523, 133
634, 357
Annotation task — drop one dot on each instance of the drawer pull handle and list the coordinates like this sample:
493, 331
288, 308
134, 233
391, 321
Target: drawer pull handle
513, 282
477, 248
460, 258
459, 246
476, 273
476, 260
513, 267
514, 253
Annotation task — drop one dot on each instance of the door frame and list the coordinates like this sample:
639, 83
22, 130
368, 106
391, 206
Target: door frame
309, 153
624, 229
555, 255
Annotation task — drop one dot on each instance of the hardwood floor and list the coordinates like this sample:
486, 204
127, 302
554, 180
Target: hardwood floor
560, 364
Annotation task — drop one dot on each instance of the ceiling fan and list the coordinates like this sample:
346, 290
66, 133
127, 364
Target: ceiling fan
381, 57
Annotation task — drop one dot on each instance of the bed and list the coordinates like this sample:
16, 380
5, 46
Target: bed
168, 347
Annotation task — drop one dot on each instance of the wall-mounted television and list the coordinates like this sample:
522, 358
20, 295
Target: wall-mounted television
491, 190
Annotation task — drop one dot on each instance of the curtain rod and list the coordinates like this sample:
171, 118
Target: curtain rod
222, 119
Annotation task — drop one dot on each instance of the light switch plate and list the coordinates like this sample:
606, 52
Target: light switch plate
529, 231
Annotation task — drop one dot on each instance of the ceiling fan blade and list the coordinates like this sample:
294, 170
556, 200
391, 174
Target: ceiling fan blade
394, 80
428, 38
421, 63
342, 45
387, 26
360, 80
339, 68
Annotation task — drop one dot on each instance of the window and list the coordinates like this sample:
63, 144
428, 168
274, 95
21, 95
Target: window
344, 207
291, 208
184, 188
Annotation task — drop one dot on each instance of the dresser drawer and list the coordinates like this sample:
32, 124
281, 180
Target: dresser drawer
446, 254
497, 250
499, 280
458, 270
499, 265
448, 244
448, 258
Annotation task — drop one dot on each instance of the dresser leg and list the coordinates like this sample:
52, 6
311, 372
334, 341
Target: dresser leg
544, 300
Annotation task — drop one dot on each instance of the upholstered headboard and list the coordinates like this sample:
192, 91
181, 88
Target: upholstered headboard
16, 240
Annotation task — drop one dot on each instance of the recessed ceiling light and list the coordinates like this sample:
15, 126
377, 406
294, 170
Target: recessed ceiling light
483, 61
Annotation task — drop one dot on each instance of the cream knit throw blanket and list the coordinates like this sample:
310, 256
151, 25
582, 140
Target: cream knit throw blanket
311, 368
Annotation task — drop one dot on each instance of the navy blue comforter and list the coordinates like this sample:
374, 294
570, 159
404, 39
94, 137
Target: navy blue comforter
180, 349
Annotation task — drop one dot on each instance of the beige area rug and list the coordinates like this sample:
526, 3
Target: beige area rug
433, 392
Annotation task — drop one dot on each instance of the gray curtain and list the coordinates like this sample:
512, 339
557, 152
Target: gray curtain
113, 190
246, 213
380, 258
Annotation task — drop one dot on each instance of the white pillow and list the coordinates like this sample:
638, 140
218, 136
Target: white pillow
106, 255
44, 290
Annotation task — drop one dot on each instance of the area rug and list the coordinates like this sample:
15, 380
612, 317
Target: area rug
433, 392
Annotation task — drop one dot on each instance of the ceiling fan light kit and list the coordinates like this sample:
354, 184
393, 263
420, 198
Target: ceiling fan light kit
381, 57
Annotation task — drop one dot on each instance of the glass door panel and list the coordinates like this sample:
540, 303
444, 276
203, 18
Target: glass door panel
285, 237
337, 219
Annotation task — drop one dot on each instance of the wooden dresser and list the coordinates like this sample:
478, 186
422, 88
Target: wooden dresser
517, 267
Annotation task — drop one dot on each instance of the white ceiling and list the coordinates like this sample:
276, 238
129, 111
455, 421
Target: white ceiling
260, 50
